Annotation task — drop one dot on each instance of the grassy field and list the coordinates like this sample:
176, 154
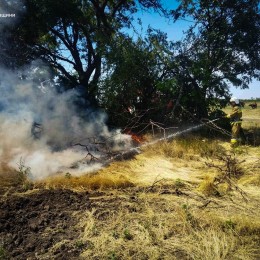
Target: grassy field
187, 198
249, 114
184, 199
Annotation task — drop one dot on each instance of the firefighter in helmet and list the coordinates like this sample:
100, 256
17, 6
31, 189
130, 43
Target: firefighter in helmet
235, 121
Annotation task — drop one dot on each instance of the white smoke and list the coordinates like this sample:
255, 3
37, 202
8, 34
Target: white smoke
39, 125
63, 120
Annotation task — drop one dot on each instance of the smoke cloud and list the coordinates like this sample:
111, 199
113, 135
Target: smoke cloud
40, 125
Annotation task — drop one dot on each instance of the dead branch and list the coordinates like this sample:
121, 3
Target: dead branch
203, 206
230, 168
92, 157
150, 188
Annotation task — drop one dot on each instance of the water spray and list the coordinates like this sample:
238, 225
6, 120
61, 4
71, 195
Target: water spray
136, 150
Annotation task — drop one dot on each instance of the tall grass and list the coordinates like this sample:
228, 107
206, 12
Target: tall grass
14, 180
186, 147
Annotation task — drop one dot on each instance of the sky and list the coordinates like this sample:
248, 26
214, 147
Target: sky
175, 32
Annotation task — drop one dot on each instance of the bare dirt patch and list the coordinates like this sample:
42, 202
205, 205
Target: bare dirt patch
41, 225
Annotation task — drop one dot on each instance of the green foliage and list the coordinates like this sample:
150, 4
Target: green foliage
115, 235
133, 81
113, 256
210, 55
80, 244
179, 184
75, 35
24, 171
3, 254
84, 43
23, 175
189, 216
229, 224
67, 175
128, 235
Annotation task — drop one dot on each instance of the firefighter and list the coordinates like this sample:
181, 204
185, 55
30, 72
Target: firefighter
235, 121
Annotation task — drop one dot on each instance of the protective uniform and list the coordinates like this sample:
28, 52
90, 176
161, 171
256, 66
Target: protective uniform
235, 120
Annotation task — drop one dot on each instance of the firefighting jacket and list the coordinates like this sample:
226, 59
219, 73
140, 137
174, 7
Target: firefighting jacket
236, 115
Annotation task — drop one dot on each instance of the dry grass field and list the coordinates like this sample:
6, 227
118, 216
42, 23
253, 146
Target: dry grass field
251, 116
187, 198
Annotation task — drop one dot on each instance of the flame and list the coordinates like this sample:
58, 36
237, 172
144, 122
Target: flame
137, 138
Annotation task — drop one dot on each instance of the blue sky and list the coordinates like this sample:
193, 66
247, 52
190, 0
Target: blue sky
175, 32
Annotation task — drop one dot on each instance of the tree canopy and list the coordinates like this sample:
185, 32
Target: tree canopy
73, 36
221, 47
84, 42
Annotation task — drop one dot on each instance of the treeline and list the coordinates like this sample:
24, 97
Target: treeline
251, 100
85, 43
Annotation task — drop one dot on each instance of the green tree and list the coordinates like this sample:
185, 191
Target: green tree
220, 48
136, 80
74, 36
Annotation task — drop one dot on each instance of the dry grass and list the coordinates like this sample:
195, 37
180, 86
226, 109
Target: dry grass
208, 186
252, 177
251, 180
85, 182
171, 227
13, 180
8, 176
186, 147
163, 228
165, 204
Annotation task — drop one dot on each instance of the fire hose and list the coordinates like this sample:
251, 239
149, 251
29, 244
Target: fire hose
136, 150
209, 123
218, 128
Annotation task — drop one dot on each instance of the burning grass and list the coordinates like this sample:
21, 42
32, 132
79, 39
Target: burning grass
183, 158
